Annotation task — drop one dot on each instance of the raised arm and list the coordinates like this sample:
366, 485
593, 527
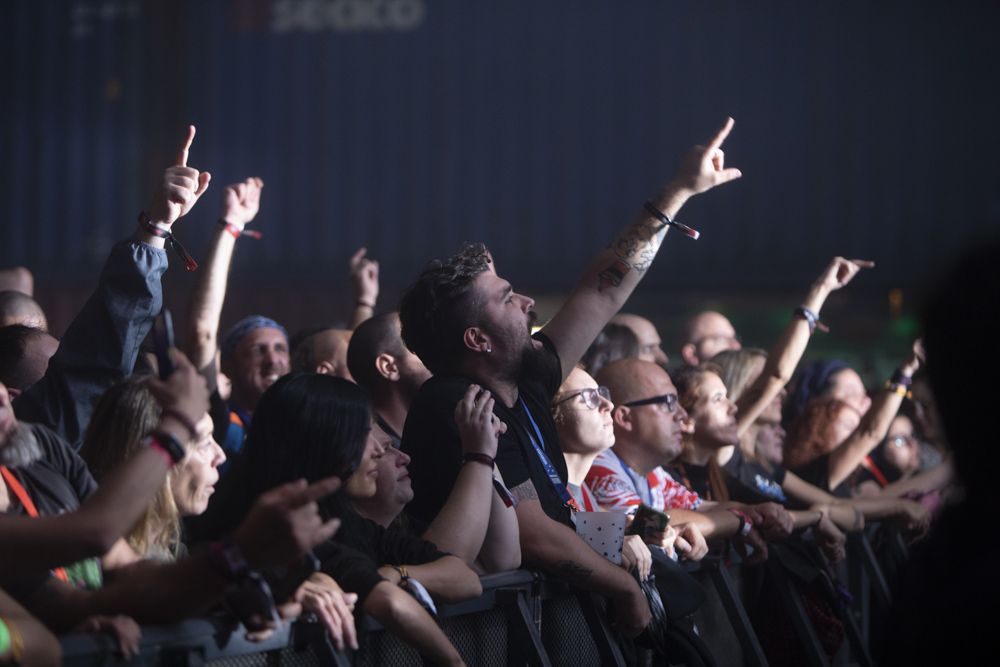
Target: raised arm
788, 349
613, 275
364, 276
874, 424
102, 344
240, 204
463, 524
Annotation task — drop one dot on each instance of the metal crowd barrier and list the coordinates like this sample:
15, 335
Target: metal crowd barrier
522, 618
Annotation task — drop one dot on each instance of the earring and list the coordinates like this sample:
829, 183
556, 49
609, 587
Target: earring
488, 348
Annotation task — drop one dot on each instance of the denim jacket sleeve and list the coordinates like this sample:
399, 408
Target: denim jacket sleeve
102, 343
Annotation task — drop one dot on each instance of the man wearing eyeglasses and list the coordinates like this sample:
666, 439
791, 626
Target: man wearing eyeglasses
705, 335
648, 423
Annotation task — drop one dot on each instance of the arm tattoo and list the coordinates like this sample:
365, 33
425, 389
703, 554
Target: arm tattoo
612, 276
638, 244
572, 572
524, 491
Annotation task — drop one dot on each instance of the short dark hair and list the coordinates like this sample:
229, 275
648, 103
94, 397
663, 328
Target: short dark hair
14, 339
373, 337
614, 342
440, 305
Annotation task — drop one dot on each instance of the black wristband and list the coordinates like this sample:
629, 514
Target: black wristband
170, 444
169, 239
477, 457
667, 222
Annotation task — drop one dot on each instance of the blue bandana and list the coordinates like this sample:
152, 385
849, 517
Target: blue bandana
245, 326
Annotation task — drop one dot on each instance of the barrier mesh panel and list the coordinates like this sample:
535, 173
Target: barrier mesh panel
566, 635
287, 657
481, 639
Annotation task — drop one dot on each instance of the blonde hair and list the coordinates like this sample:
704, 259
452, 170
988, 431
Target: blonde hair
125, 414
736, 368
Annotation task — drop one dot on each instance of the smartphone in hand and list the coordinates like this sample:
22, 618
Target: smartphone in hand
163, 339
648, 523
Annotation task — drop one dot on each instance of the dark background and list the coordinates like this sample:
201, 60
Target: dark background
865, 129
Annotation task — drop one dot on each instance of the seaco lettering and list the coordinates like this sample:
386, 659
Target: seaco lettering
347, 15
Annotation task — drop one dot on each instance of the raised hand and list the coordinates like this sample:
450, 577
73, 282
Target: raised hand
241, 201
703, 167
182, 186
364, 274
915, 360
285, 523
478, 427
185, 391
841, 271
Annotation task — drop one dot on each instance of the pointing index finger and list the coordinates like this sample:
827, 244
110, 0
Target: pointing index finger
721, 135
316, 490
182, 156
863, 263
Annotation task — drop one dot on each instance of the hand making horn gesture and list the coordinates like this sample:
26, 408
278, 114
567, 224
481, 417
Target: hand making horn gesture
182, 186
704, 168
841, 271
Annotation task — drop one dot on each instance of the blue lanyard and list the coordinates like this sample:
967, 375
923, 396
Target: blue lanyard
648, 500
550, 469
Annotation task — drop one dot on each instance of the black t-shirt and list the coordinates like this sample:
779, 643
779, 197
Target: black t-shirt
749, 482
431, 439
817, 473
57, 482
693, 477
361, 546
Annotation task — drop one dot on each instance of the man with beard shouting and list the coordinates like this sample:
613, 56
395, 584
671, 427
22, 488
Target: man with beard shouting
469, 326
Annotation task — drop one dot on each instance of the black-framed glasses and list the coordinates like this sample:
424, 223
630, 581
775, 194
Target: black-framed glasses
669, 400
591, 397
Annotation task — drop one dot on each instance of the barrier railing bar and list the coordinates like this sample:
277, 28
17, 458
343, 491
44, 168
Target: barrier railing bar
753, 654
797, 612
600, 631
524, 645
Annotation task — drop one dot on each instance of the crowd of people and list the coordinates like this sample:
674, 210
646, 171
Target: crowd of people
382, 466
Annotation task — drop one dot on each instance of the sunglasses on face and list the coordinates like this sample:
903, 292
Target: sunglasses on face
669, 400
591, 397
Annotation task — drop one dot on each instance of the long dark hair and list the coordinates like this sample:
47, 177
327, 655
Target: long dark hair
307, 426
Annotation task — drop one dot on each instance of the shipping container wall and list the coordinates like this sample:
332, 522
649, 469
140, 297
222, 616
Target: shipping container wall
863, 129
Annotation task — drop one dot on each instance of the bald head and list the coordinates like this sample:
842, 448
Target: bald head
24, 356
649, 434
324, 352
705, 335
649, 338
19, 308
631, 379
